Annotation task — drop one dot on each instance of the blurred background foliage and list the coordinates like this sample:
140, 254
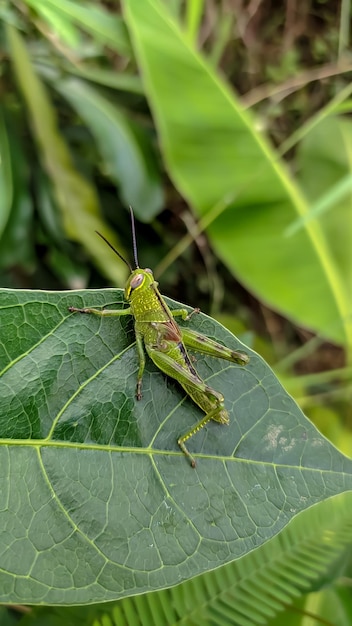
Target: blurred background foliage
230, 135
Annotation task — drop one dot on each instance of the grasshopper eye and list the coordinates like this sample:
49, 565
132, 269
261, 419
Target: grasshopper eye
136, 281
147, 269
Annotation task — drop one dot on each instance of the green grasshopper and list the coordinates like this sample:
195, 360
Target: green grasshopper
166, 343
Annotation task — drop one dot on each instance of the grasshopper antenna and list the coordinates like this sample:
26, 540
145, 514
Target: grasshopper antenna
114, 250
134, 240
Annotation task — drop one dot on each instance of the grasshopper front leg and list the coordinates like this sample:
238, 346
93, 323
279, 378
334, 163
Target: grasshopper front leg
139, 342
186, 315
141, 357
102, 312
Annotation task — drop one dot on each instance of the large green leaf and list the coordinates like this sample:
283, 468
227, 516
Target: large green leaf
76, 197
62, 28
234, 180
16, 247
97, 500
6, 190
248, 591
324, 160
127, 153
108, 28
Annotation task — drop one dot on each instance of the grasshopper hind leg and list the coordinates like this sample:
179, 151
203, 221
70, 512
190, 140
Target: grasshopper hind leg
218, 414
209, 400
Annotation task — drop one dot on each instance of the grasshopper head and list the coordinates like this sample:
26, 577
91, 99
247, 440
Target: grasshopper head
138, 281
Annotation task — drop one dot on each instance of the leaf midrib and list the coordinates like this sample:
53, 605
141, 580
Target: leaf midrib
75, 445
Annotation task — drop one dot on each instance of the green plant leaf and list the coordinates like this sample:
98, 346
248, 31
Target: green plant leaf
233, 179
260, 585
324, 160
75, 196
61, 26
108, 28
8, 617
121, 81
127, 153
6, 189
331, 197
330, 606
16, 246
98, 501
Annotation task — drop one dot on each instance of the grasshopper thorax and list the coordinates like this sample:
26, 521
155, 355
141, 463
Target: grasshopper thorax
138, 281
